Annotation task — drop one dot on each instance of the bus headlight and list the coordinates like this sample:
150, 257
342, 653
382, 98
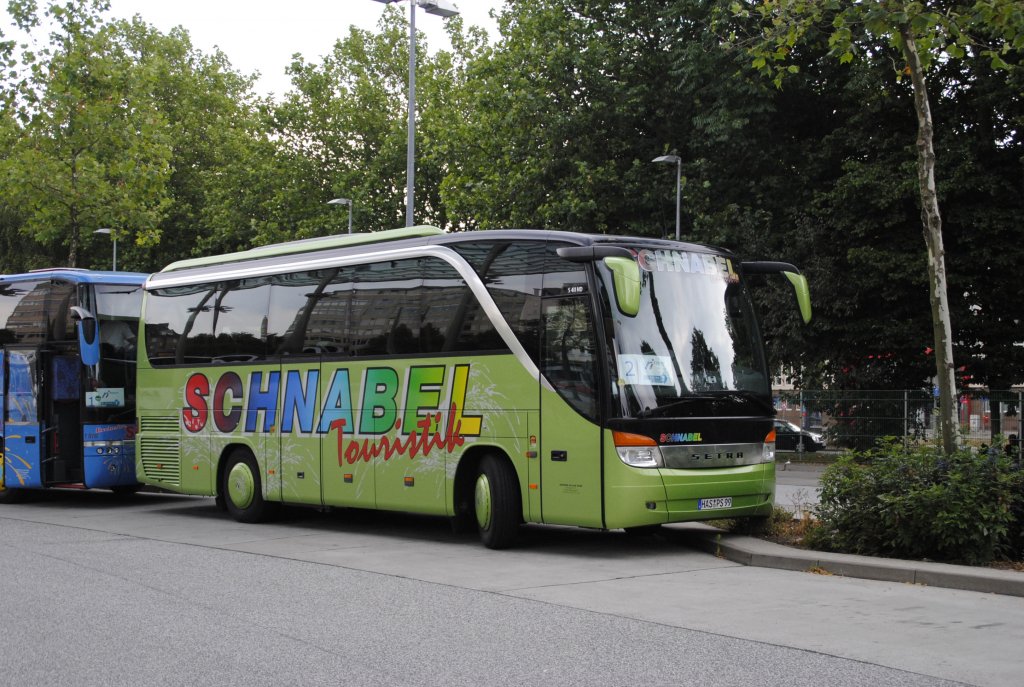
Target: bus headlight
637, 450
768, 452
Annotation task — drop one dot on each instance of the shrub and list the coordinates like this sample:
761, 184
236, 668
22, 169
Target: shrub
918, 503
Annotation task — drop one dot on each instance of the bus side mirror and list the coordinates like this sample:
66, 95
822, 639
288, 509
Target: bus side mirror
803, 293
799, 282
88, 335
626, 281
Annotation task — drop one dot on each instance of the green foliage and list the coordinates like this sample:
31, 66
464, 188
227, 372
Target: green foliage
773, 525
91, 150
554, 126
918, 503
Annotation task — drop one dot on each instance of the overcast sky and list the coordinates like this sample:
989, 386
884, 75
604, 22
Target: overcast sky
262, 35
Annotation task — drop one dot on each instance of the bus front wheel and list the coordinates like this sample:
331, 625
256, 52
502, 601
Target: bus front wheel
496, 503
12, 495
242, 489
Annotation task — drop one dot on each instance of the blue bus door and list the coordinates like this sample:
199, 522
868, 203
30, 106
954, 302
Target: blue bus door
23, 448
41, 417
62, 415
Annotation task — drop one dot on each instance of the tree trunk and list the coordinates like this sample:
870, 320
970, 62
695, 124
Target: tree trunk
932, 225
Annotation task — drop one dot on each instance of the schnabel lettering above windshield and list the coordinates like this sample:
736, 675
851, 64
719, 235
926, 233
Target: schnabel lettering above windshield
686, 262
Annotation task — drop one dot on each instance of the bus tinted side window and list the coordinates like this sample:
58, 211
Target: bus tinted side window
415, 306
305, 308
570, 352
36, 312
517, 273
452, 317
170, 314
387, 307
238, 322
21, 314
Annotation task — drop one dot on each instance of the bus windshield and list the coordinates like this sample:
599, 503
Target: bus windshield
694, 347
117, 313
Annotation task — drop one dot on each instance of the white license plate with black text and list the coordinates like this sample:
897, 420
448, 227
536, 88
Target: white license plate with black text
714, 504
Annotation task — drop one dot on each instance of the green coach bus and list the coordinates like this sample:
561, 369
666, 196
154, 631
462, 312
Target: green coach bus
495, 377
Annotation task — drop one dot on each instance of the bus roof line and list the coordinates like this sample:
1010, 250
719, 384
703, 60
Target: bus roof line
306, 246
78, 275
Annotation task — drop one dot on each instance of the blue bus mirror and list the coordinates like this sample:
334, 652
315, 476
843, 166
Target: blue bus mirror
88, 335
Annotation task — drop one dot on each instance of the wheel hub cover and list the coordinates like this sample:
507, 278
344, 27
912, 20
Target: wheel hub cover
482, 501
240, 485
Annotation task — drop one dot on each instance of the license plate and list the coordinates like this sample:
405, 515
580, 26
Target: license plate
714, 504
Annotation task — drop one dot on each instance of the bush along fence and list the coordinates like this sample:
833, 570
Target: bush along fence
859, 419
911, 501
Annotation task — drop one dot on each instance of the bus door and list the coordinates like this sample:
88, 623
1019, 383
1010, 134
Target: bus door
570, 443
300, 443
23, 446
3, 404
62, 415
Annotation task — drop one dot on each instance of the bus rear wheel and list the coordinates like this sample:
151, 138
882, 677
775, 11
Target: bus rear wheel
242, 489
496, 503
12, 495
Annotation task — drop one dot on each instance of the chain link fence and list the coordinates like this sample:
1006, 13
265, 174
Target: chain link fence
857, 419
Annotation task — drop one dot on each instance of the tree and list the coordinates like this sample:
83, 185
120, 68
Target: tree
90, 151
341, 131
924, 34
567, 112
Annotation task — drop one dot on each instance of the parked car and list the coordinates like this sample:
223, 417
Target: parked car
788, 437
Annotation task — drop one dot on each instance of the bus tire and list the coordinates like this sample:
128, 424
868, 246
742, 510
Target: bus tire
243, 490
13, 495
496, 503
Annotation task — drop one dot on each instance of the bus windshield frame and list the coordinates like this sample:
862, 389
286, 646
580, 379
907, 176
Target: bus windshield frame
694, 347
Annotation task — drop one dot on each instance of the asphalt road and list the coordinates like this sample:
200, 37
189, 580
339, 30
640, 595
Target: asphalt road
166, 590
796, 484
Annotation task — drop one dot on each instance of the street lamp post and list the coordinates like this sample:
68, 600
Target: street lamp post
440, 8
106, 230
678, 162
344, 201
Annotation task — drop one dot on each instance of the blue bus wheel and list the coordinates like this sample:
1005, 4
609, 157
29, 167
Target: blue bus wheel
13, 495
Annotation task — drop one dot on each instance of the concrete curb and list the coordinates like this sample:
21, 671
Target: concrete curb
764, 554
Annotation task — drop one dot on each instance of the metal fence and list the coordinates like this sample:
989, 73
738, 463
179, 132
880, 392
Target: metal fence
857, 419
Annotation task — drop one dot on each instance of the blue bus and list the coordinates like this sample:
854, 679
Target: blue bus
67, 380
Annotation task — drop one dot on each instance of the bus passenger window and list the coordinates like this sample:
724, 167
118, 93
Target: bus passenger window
570, 351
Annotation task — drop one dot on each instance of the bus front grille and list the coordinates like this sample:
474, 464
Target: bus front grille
160, 459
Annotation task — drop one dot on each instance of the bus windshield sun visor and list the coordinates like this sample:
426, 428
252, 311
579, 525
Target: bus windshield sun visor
593, 253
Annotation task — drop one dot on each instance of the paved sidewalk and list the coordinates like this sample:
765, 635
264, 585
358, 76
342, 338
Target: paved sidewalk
765, 554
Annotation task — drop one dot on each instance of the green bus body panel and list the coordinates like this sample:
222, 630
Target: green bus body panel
752, 488
470, 404
314, 468
307, 246
675, 493
570, 465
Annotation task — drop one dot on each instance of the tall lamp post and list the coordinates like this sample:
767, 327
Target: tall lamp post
107, 230
678, 162
440, 8
344, 201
